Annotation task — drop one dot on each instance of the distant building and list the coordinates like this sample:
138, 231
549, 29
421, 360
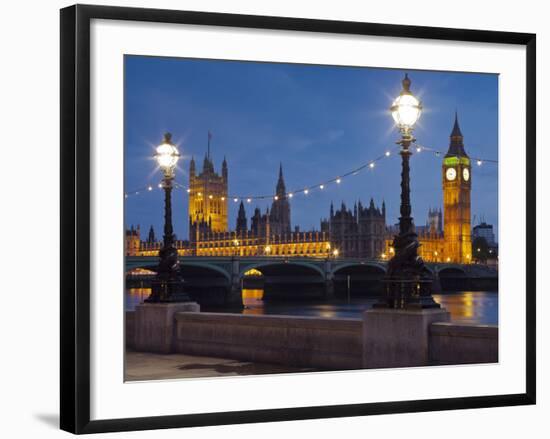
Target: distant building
457, 185
207, 198
430, 236
242, 223
434, 223
132, 242
151, 236
484, 230
269, 234
357, 234
279, 216
275, 221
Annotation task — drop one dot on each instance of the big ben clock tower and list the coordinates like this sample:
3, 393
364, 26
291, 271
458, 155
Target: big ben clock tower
457, 185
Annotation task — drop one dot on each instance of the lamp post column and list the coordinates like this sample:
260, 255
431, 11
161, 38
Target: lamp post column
168, 237
408, 280
405, 221
154, 321
168, 285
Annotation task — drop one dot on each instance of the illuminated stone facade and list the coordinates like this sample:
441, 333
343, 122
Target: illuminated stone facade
152, 248
432, 246
457, 183
357, 234
207, 196
269, 234
132, 242
310, 244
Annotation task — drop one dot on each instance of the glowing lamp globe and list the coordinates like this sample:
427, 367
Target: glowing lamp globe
167, 154
406, 109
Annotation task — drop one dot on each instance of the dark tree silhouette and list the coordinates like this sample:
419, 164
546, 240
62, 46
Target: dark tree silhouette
480, 248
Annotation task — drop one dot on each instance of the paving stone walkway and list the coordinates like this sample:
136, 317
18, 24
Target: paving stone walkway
142, 366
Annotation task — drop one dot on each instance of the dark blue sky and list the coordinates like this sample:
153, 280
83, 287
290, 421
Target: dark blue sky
319, 121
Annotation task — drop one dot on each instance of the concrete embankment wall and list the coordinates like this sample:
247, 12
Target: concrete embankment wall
129, 328
311, 342
452, 343
320, 343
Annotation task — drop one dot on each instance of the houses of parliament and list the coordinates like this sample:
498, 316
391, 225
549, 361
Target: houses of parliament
360, 232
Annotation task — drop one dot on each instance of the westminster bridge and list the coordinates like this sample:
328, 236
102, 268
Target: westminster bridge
220, 280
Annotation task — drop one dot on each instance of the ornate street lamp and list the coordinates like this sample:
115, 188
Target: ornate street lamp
408, 281
168, 284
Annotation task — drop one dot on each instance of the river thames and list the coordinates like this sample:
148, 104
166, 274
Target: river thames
478, 307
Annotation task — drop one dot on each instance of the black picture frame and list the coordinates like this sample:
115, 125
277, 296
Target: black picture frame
75, 217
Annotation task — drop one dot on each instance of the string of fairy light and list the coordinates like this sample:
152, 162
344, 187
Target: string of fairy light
319, 186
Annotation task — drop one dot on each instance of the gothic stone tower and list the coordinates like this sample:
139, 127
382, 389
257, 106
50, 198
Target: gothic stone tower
279, 217
208, 197
242, 226
456, 200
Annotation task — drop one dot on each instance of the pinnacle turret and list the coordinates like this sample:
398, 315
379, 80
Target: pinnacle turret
281, 189
456, 146
224, 169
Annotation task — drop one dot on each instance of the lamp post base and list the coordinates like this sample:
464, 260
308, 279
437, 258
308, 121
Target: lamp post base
399, 337
155, 325
171, 290
407, 294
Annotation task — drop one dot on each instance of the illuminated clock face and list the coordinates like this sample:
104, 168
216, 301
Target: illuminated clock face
466, 174
451, 174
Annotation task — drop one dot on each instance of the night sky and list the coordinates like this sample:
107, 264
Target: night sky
319, 121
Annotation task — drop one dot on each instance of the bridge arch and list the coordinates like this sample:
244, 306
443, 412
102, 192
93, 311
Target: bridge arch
186, 266
148, 265
208, 284
151, 268
138, 279
358, 279
453, 278
140, 262
263, 264
371, 265
451, 269
289, 280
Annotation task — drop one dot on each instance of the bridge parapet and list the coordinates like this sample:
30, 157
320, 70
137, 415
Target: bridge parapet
325, 266
469, 270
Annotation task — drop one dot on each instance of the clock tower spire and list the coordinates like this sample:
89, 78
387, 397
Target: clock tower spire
457, 185
456, 146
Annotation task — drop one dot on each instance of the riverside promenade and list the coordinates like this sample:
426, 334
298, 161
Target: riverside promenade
166, 341
145, 366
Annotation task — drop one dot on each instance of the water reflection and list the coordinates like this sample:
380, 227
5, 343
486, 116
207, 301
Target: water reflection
251, 296
252, 301
352, 309
471, 306
465, 306
135, 296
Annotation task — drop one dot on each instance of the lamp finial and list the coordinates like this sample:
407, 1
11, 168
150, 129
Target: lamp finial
406, 83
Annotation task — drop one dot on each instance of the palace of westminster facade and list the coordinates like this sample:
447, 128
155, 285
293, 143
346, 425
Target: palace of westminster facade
358, 233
